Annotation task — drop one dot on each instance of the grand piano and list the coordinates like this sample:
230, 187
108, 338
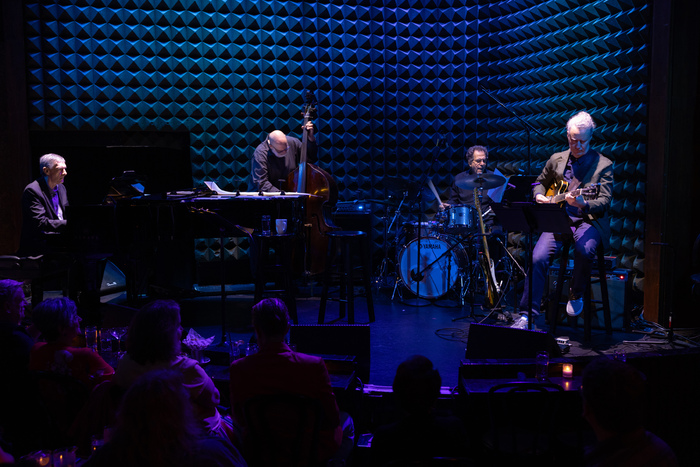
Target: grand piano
172, 240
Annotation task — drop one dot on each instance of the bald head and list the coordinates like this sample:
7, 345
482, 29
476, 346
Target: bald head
278, 137
277, 141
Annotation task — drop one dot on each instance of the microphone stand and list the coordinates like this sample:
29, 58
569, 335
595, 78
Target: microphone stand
442, 142
528, 127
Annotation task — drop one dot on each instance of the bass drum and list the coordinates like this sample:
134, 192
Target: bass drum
435, 272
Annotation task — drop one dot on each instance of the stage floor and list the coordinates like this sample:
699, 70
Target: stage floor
437, 329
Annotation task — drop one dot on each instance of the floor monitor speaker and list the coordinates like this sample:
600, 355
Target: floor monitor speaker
486, 341
335, 339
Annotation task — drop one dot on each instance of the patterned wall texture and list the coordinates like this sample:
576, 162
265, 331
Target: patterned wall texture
548, 60
390, 77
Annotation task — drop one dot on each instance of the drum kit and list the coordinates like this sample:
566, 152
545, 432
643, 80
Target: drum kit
438, 259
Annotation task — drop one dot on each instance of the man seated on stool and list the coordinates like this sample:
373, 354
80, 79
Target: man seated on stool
580, 166
275, 369
44, 204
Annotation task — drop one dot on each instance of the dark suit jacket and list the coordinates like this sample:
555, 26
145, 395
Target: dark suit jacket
601, 171
278, 370
39, 216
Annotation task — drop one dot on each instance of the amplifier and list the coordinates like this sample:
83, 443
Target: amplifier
619, 286
353, 207
610, 263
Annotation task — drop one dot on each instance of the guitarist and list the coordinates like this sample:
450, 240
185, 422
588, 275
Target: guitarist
279, 155
578, 167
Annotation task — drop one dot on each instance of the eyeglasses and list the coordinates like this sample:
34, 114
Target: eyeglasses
575, 141
277, 148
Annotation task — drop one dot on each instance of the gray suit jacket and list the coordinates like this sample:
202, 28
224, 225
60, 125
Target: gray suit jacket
601, 171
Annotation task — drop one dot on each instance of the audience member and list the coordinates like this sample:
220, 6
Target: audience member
614, 403
419, 433
5, 457
58, 321
154, 342
157, 427
275, 369
15, 343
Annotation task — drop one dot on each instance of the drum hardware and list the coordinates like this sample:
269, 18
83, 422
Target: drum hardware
386, 265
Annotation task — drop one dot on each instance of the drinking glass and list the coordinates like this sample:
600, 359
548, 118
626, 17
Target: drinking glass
41, 458
64, 457
91, 337
118, 333
106, 340
266, 229
541, 366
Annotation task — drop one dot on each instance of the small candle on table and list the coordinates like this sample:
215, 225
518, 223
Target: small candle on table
567, 370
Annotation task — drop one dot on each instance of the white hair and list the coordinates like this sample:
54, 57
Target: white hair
49, 161
582, 121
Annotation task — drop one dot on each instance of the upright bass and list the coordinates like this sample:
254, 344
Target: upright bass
323, 191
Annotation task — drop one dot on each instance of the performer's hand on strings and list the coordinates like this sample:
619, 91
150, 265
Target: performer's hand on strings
541, 199
310, 128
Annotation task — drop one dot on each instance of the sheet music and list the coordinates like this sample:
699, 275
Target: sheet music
496, 194
215, 188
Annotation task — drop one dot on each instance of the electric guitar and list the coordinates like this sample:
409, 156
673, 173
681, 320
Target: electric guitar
557, 192
492, 287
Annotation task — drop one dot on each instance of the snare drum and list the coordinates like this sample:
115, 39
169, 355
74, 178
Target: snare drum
437, 269
461, 218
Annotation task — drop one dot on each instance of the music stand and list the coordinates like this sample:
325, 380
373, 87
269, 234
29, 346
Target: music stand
226, 229
532, 218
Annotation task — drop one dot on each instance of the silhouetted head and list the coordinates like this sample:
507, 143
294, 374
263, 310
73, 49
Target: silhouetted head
57, 319
270, 320
155, 333
12, 301
614, 395
417, 384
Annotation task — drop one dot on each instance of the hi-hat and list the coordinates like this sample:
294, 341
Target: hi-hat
485, 180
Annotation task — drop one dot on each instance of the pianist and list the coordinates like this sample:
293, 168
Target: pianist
279, 155
44, 204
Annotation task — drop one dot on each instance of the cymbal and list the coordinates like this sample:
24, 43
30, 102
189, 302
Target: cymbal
486, 180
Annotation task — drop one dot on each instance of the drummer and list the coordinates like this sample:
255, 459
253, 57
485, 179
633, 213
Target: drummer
477, 159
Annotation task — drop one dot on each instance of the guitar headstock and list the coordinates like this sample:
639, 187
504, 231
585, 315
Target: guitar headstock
590, 191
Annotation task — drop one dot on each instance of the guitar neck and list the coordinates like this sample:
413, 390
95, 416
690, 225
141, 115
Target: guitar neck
562, 196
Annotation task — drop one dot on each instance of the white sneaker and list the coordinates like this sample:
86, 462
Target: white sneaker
520, 323
574, 307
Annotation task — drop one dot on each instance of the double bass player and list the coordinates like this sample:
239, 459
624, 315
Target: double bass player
276, 157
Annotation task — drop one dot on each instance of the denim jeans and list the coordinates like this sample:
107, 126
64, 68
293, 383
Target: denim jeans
586, 241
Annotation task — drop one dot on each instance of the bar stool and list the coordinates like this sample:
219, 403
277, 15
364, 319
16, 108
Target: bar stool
587, 296
346, 241
277, 266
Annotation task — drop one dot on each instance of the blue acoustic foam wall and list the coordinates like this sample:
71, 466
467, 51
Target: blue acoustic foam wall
389, 77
